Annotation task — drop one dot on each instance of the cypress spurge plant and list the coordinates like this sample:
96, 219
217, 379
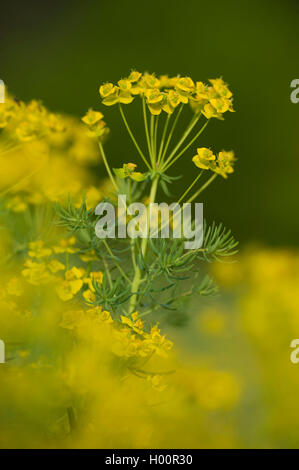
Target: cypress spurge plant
147, 275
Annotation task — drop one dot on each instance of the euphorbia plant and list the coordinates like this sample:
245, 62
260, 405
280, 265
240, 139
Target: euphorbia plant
147, 274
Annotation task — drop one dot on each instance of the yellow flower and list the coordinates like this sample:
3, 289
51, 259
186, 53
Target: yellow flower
221, 88
100, 314
95, 276
27, 131
134, 76
131, 166
125, 96
171, 100
55, 123
89, 255
89, 296
125, 85
36, 273
127, 171
154, 99
205, 159
74, 273
209, 112
92, 117
54, 266
37, 250
221, 105
66, 246
185, 87
67, 289
150, 81
201, 91
109, 93
99, 129
72, 283
134, 322
225, 163
107, 89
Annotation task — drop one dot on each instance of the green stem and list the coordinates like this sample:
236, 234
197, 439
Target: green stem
171, 132
107, 166
155, 138
132, 137
163, 137
107, 271
137, 276
189, 128
190, 187
204, 186
146, 129
115, 262
187, 146
152, 140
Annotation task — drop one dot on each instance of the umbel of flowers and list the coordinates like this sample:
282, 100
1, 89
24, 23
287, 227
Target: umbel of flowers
166, 93
163, 99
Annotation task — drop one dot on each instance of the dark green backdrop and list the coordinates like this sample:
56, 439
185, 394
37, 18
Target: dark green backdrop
61, 51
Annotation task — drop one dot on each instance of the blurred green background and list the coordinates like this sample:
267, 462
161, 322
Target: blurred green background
61, 51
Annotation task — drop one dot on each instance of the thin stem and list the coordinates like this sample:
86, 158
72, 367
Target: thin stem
163, 137
152, 140
187, 146
146, 129
132, 137
208, 182
137, 276
132, 242
115, 262
156, 137
107, 271
107, 166
171, 132
190, 187
204, 186
189, 128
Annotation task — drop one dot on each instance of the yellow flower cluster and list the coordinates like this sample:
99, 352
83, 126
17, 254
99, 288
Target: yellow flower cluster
94, 121
28, 122
223, 164
42, 267
166, 93
44, 148
128, 171
133, 340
